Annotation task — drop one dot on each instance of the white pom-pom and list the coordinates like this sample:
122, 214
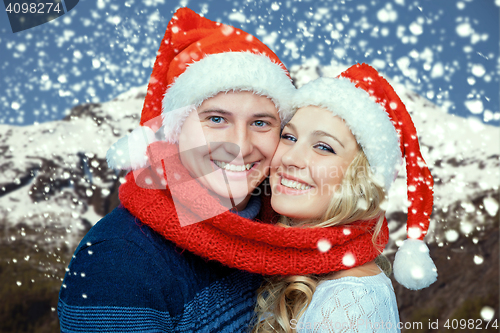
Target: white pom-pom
130, 151
413, 266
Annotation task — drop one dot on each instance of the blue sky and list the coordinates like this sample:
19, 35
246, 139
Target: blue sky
447, 51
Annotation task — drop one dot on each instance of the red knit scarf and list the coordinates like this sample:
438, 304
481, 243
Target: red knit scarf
256, 246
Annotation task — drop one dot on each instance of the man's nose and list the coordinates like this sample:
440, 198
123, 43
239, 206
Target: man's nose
240, 141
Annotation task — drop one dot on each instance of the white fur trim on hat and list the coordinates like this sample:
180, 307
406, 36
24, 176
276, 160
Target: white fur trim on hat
367, 120
130, 151
413, 266
223, 72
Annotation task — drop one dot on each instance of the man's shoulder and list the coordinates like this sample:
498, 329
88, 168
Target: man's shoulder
121, 227
120, 247
121, 262
121, 242
118, 224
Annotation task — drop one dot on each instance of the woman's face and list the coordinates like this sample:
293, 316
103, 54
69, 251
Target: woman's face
313, 154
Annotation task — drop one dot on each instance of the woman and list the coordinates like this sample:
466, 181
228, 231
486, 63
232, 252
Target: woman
336, 160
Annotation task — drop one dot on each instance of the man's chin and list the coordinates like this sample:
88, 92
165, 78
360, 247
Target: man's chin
236, 196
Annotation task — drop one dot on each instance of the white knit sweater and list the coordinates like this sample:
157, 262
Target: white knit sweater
351, 304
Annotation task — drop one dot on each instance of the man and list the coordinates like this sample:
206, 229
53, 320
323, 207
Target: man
130, 273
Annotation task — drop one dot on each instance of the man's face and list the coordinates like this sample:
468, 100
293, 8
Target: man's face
228, 144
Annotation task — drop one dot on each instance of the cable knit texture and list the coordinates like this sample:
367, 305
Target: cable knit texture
254, 246
352, 305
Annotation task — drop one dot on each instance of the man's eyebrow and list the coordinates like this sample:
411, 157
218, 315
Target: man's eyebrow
227, 113
264, 115
322, 133
224, 112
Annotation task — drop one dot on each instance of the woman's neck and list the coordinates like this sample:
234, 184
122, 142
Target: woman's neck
368, 269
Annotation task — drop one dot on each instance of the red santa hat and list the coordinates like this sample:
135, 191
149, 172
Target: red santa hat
199, 58
384, 129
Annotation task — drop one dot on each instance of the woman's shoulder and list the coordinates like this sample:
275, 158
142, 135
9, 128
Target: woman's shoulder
353, 303
371, 281
374, 289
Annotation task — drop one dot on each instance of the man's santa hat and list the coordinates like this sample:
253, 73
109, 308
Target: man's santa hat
198, 59
383, 127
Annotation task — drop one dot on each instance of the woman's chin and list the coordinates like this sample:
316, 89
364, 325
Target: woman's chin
289, 209
297, 208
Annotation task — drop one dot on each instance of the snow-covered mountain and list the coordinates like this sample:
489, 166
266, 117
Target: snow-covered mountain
55, 173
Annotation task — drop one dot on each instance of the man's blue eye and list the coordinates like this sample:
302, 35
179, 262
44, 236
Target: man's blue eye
260, 123
216, 119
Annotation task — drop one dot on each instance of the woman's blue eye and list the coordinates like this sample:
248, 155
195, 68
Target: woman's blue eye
324, 147
216, 119
288, 137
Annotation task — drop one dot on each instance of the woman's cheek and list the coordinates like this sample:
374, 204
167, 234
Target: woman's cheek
276, 159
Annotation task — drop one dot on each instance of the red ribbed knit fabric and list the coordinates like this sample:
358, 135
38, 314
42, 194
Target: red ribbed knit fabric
255, 246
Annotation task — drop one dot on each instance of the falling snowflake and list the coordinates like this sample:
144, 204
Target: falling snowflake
324, 245
349, 260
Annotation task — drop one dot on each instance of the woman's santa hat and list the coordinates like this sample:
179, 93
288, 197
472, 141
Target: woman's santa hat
384, 129
198, 59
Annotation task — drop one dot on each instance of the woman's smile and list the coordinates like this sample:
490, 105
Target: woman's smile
316, 148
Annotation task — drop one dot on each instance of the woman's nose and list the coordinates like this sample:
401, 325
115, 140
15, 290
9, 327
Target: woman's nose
295, 157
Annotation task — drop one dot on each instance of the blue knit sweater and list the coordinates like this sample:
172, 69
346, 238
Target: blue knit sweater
124, 277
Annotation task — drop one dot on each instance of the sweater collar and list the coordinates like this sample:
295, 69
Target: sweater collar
251, 210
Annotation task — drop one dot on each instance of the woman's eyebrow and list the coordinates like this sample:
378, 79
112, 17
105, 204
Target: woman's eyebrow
322, 133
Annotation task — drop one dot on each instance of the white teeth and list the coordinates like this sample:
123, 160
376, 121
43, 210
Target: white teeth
293, 184
233, 167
